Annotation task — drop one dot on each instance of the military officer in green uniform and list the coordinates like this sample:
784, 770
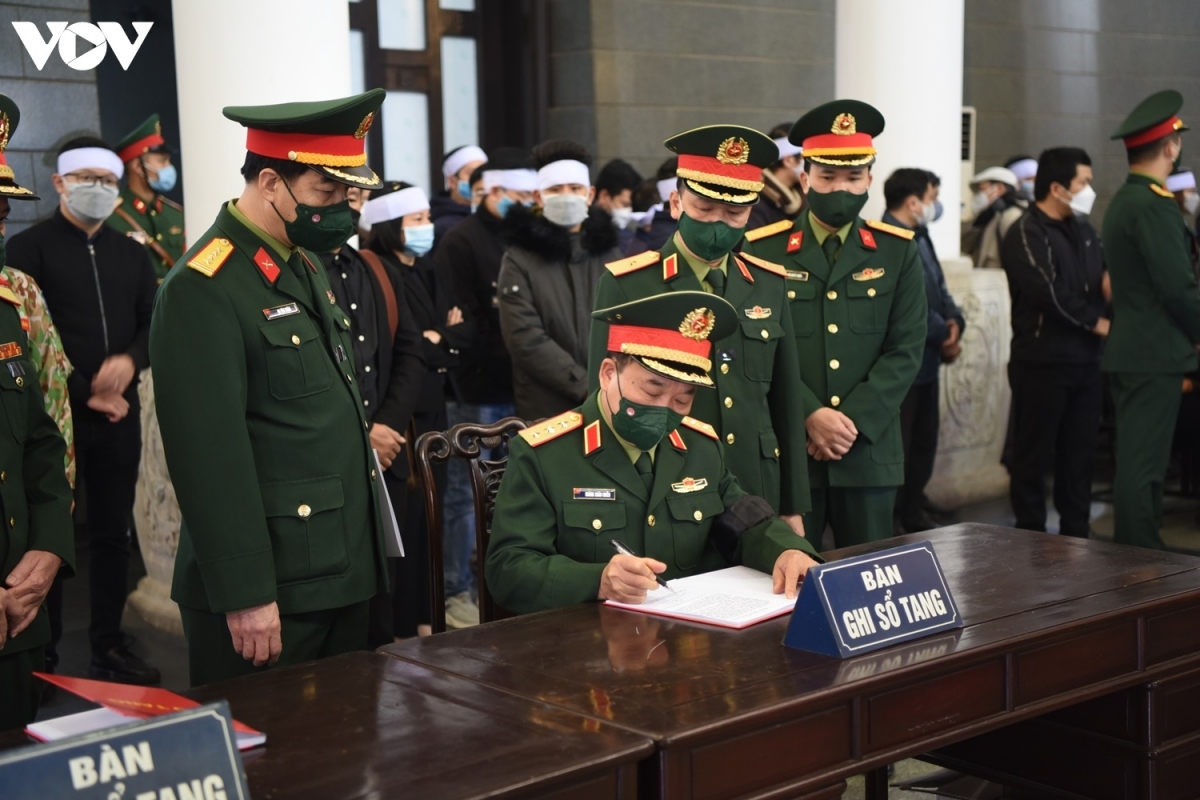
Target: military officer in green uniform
1156, 315
143, 213
756, 408
36, 533
858, 305
630, 465
281, 546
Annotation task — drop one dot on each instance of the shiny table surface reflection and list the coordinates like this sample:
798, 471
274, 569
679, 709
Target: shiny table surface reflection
1048, 621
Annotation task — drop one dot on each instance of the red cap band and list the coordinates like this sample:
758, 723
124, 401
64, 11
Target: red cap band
839, 143
140, 146
283, 145
1165, 128
711, 166
662, 338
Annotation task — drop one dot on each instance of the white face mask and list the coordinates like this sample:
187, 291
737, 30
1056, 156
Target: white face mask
980, 201
1192, 203
91, 202
1082, 202
1027, 187
621, 217
927, 215
566, 210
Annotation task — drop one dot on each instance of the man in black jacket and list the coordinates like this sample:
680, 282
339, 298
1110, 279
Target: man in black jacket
455, 203
99, 286
1055, 267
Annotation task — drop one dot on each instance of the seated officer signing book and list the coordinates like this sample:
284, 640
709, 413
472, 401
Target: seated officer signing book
630, 465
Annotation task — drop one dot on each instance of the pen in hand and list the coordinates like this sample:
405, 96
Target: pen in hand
625, 551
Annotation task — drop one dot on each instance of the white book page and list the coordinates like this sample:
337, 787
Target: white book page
735, 596
98, 719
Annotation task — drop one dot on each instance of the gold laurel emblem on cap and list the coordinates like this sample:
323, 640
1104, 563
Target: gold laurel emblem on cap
698, 324
158, 128
844, 125
4, 131
364, 126
734, 150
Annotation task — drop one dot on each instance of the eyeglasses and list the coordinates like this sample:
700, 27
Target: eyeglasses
92, 180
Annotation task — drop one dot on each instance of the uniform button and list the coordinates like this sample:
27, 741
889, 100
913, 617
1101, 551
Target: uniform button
366, 402
346, 322
697, 515
871, 292
835, 401
650, 520
597, 524
295, 339
20, 381
831, 294
834, 364
373, 474
362, 338
367, 368
343, 276
730, 438
729, 402
159, 237
777, 452
350, 378
832, 328
12, 522
304, 511
765, 335
3, 476
354, 306
724, 369
791, 295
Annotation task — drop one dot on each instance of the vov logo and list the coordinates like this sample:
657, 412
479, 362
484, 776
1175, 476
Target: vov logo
100, 36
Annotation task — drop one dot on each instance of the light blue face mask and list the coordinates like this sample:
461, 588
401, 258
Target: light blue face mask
166, 179
503, 207
418, 239
464, 190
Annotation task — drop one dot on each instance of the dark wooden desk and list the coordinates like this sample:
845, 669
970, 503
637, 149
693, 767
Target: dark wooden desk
363, 725
1050, 622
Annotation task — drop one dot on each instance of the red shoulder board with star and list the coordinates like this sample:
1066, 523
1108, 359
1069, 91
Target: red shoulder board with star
868, 239
701, 427
670, 267
677, 441
266, 265
795, 241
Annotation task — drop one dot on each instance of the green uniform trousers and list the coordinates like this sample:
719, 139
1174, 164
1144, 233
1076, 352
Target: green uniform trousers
857, 514
1146, 408
20, 692
306, 637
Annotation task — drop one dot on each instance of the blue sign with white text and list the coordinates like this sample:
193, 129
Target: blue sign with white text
188, 754
862, 604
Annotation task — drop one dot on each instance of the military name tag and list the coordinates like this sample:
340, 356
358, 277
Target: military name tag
281, 311
595, 494
10, 350
690, 485
797, 275
862, 604
758, 312
868, 274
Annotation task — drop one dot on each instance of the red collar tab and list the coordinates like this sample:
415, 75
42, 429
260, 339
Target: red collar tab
591, 438
670, 267
868, 239
266, 265
794, 241
742, 267
677, 441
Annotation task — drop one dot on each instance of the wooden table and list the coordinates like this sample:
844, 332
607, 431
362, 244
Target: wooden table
1050, 622
363, 725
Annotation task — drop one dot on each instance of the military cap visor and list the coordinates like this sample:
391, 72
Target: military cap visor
327, 135
145, 138
840, 133
724, 162
1154, 118
10, 115
671, 334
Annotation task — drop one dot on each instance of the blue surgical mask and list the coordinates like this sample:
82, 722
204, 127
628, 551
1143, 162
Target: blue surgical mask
464, 190
474, 207
418, 239
166, 179
502, 208
938, 208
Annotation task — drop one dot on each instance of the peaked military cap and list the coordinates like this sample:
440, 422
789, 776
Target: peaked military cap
1154, 118
671, 334
145, 138
327, 135
724, 162
840, 133
10, 115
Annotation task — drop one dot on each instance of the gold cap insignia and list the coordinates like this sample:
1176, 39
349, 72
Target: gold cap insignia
3, 131
844, 125
698, 324
364, 126
158, 128
734, 150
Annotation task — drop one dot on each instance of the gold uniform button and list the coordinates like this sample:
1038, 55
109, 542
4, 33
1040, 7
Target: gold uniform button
832, 328
346, 322
597, 524
373, 474
730, 438
3, 476
295, 339
698, 515
724, 369
835, 401
350, 378
304, 511
834, 364
20, 381
766, 335
791, 294
777, 452
871, 292
12, 522
831, 294
729, 402
650, 520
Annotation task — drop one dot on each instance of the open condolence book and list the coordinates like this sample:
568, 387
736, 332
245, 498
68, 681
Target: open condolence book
737, 597
121, 704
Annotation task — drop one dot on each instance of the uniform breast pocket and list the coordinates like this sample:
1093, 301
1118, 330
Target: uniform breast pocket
760, 338
869, 303
691, 519
588, 528
307, 527
15, 375
801, 294
297, 365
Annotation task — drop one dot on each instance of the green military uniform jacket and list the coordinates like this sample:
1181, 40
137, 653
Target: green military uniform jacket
35, 497
570, 489
756, 406
860, 334
157, 225
1156, 308
263, 429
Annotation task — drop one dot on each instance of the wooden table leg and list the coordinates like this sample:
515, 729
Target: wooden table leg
877, 784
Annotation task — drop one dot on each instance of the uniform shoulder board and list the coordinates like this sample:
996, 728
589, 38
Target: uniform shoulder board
633, 263
769, 266
171, 203
210, 258
903, 233
769, 230
1160, 191
9, 296
550, 429
701, 427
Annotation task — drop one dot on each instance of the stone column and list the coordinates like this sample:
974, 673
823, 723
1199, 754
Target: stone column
227, 52
905, 57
